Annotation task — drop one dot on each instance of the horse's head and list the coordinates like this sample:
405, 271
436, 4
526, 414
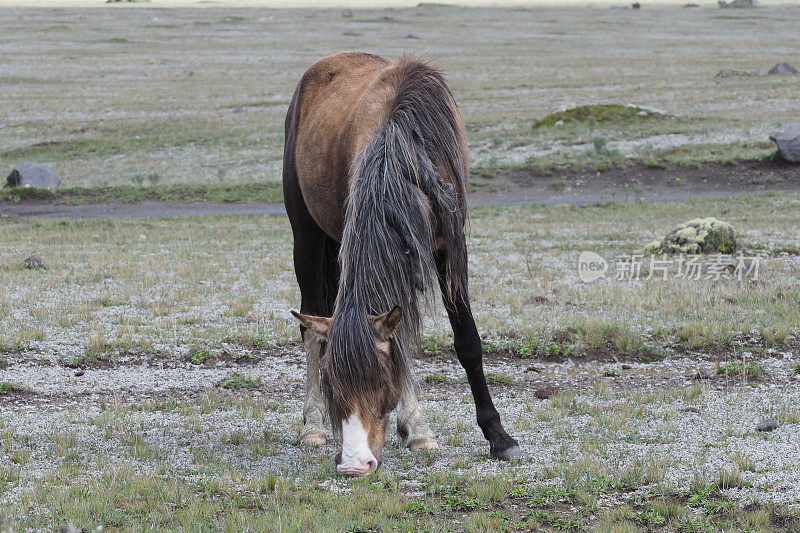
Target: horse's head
361, 412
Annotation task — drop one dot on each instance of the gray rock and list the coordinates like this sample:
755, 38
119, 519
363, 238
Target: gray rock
767, 425
29, 174
788, 140
784, 69
739, 3
34, 262
411, 36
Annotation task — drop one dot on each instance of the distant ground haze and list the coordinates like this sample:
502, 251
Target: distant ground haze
362, 3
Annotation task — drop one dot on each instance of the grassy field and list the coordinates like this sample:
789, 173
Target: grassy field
115, 286
152, 378
147, 97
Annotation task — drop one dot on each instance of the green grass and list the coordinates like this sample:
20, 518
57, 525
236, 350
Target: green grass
499, 378
238, 381
718, 153
741, 369
200, 356
184, 192
125, 499
7, 387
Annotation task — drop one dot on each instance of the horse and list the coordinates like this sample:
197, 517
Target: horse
375, 170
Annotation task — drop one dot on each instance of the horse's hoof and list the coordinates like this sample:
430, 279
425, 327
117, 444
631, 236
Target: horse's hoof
509, 454
313, 439
424, 443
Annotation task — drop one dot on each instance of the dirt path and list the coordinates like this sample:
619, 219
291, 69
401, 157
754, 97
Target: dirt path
519, 187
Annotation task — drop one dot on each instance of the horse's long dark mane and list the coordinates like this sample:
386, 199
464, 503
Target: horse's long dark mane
397, 206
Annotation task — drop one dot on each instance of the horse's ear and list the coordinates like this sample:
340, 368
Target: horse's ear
387, 323
317, 324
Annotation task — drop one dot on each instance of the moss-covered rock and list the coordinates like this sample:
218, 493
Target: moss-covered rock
698, 236
598, 114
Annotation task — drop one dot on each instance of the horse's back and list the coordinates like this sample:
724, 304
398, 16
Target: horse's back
339, 103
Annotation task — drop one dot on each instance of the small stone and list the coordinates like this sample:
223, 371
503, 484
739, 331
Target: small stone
767, 425
546, 392
691, 410
626, 367
239, 110
78, 373
34, 262
533, 369
411, 36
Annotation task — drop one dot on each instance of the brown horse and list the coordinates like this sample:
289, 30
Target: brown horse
374, 177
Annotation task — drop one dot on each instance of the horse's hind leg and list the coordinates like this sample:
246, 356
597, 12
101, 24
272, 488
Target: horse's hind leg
467, 343
411, 427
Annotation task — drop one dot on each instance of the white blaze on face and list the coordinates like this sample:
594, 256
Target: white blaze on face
357, 458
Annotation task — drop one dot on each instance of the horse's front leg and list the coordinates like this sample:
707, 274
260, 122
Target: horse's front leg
414, 433
314, 411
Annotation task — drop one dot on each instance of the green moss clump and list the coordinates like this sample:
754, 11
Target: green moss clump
698, 236
598, 114
238, 381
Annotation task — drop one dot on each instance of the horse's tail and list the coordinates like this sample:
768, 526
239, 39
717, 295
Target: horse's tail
400, 208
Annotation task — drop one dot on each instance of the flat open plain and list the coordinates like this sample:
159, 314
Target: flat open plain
151, 376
